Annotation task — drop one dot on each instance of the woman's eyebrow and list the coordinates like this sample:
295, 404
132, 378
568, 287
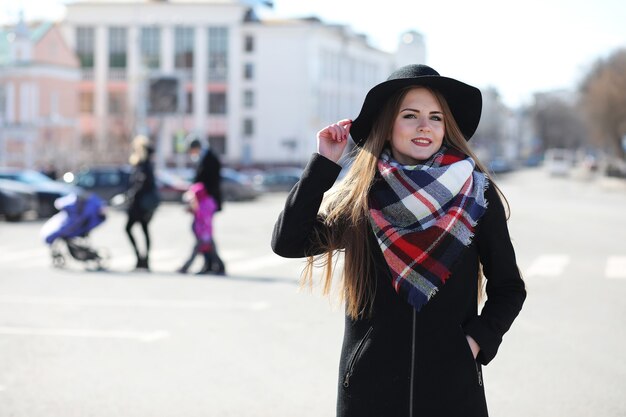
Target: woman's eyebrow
417, 111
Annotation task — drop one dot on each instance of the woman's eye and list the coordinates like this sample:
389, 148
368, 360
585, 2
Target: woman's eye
409, 116
436, 118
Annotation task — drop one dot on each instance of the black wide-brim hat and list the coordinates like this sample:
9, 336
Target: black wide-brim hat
465, 101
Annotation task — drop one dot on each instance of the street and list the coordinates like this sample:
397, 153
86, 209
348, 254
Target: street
137, 344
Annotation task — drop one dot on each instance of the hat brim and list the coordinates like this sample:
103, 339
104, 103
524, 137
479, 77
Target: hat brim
464, 100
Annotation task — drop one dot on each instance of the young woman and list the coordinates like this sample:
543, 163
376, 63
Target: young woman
419, 222
142, 196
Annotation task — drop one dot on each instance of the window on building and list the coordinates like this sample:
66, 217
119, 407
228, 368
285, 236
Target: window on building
218, 144
150, 45
189, 108
54, 103
117, 102
183, 47
248, 71
163, 95
248, 43
218, 53
117, 47
85, 46
28, 102
248, 127
86, 102
3, 103
248, 99
87, 142
217, 103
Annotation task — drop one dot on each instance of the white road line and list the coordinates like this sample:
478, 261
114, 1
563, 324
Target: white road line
615, 267
113, 302
86, 333
258, 263
23, 254
548, 266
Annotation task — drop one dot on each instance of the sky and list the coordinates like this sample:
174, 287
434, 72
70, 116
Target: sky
518, 48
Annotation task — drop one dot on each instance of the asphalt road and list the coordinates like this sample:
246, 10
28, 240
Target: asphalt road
135, 344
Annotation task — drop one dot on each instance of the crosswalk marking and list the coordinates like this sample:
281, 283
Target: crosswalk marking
135, 303
616, 267
238, 261
548, 265
258, 263
24, 254
146, 337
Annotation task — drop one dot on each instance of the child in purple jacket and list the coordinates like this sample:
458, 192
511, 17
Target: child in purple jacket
203, 206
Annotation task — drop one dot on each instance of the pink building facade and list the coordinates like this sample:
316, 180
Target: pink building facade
39, 80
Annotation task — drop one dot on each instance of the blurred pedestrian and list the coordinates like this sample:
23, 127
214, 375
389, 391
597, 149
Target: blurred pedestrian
208, 172
418, 220
202, 206
142, 196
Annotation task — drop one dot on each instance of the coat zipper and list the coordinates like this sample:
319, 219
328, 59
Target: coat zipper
357, 353
412, 367
480, 377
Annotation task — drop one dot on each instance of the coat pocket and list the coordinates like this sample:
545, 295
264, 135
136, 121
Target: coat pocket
355, 357
470, 355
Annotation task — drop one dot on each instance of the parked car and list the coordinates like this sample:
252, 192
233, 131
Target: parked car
16, 200
47, 189
559, 162
279, 179
109, 181
171, 187
237, 186
106, 181
499, 165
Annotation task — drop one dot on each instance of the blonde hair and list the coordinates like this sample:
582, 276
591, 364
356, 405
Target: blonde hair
345, 211
139, 149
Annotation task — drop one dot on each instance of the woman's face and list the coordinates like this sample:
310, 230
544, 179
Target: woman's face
418, 129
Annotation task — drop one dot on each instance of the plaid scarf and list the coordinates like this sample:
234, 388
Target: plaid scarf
424, 216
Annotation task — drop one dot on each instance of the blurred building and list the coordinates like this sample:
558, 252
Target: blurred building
258, 91
39, 75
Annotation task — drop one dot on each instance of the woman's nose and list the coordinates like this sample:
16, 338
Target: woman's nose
422, 124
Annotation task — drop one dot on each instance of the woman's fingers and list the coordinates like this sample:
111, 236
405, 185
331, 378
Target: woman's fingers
339, 131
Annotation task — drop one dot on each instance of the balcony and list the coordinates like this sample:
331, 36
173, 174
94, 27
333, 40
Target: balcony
117, 74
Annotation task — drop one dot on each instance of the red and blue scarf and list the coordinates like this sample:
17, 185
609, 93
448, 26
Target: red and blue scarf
424, 216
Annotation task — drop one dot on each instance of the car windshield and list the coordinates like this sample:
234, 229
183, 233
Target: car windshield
29, 177
33, 177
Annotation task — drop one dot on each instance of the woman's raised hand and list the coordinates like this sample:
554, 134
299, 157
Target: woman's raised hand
332, 140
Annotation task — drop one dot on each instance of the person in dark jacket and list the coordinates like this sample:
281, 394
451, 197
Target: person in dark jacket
142, 196
419, 222
208, 172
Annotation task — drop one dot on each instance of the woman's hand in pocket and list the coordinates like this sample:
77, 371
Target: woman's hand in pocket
473, 345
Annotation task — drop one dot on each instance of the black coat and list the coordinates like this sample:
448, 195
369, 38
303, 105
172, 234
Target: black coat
402, 363
208, 173
142, 194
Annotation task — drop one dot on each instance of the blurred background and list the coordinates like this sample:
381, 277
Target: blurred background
255, 80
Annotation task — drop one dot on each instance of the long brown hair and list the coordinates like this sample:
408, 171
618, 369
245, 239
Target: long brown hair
345, 211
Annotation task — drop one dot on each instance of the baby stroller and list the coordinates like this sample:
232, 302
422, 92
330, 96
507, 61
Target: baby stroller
67, 232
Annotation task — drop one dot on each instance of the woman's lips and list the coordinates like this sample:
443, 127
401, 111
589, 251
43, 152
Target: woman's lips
421, 141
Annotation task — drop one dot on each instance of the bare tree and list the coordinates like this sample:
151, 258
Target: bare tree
557, 122
603, 94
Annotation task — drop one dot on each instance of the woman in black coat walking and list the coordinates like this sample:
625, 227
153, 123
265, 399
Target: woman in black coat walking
142, 196
419, 222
